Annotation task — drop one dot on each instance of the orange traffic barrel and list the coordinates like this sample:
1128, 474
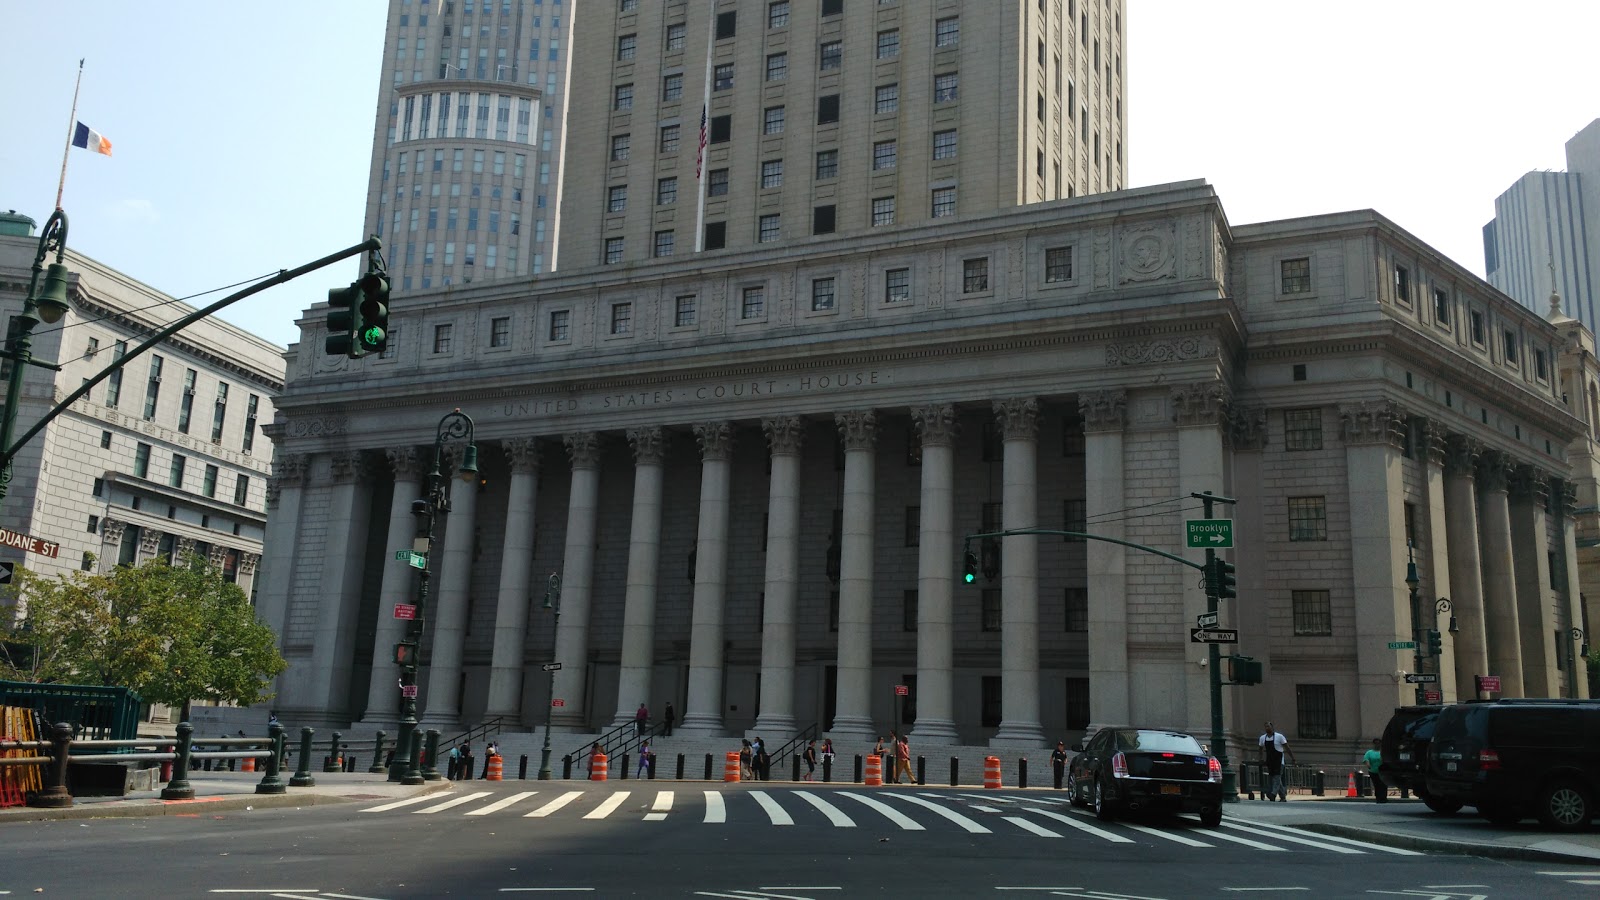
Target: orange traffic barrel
248, 765
598, 767
730, 766
874, 776
496, 771
991, 772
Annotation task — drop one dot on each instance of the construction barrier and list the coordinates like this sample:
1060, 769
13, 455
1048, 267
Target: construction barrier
248, 765
730, 766
874, 771
598, 767
1350, 786
991, 772
16, 782
496, 770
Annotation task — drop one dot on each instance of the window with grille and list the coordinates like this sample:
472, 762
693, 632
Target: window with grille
1302, 429
883, 155
974, 275
622, 101
883, 211
1308, 519
831, 55
754, 304
944, 202
666, 242
772, 173
442, 337
619, 147
990, 611
141, 460
621, 318
626, 45
175, 476
1314, 711
617, 198
946, 87
672, 88
1074, 516
722, 77
947, 32
1296, 275
767, 229
717, 182
1076, 603
821, 294
685, 314
614, 248
772, 120
561, 325
1313, 613
1077, 690
897, 285
886, 99
500, 331
944, 144
1058, 264
778, 14
827, 165
913, 532
677, 36
777, 66
888, 44
666, 191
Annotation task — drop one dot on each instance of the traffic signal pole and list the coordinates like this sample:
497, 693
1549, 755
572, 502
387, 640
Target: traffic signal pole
1219, 743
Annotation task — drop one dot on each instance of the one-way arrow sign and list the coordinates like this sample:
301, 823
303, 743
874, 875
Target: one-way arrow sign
1422, 678
1206, 620
1213, 635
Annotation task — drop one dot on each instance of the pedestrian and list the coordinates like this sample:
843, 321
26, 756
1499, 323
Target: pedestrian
1273, 746
744, 758
453, 763
670, 718
902, 760
810, 757
594, 753
272, 718
763, 761
827, 751
489, 752
878, 753
464, 769
641, 718
1058, 762
644, 759
1373, 757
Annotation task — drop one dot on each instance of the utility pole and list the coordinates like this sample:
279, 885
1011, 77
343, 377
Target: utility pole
1219, 743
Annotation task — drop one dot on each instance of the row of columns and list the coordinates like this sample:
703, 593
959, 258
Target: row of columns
113, 530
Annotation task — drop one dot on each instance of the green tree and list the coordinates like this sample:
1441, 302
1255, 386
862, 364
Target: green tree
172, 633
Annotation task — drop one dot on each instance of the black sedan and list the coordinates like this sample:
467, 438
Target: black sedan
1125, 769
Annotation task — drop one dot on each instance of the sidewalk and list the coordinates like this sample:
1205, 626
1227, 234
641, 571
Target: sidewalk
1411, 825
216, 791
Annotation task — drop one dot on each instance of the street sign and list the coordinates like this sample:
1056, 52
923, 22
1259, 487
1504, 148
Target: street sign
1432, 697
418, 560
1422, 678
551, 667
901, 690
6, 571
1206, 620
1488, 684
402, 555
1213, 636
1217, 534
28, 543
1402, 645
408, 691
405, 611
558, 702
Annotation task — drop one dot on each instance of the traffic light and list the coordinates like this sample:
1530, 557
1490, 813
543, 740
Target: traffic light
1435, 642
373, 321
1227, 585
344, 322
1244, 670
969, 567
1212, 567
405, 653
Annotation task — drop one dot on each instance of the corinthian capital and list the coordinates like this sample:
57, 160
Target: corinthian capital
583, 448
1018, 418
347, 466
1248, 427
522, 454
1104, 410
1372, 422
858, 429
406, 463
784, 434
649, 445
715, 439
1203, 403
935, 424
1461, 455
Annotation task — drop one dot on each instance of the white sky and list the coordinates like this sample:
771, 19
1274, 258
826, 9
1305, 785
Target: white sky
1422, 109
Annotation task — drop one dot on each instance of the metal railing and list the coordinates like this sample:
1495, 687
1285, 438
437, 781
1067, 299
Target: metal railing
476, 733
1297, 779
794, 745
622, 739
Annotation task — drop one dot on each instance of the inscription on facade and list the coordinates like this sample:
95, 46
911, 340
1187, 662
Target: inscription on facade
768, 387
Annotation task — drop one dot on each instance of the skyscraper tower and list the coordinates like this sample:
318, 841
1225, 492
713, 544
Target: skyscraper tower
465, 169
831, 116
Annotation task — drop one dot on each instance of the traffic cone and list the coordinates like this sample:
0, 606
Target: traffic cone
1350, 786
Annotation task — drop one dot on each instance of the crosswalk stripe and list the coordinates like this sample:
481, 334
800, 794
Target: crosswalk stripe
457, 801
1167, 835
406, 802
893, 815
716, 811
990, 797
837, 817
989, 809
662, 806
970, 826
554, 805
1032, 827
771, 808
1221, 835
1288, 837
501, 804
1082, 826
1397, 851
607, 806
1047, 799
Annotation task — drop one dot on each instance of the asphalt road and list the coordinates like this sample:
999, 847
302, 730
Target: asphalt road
748, 842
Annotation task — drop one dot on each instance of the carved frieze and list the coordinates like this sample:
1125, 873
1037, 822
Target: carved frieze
1140, 353
1204, 403
1018, 418
289, 469
1102, 258
718, 307
935, 279
858, 429
1015, 272
935, 423
785, 434
649, 446
1103, 410
1372, 422
1146, 252
583, 448
715, 439
317, 426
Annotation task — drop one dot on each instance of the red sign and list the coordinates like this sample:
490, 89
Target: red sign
901, 690
405, 611
1488, 684
408, 691
29, 544
1432, 697
558, 702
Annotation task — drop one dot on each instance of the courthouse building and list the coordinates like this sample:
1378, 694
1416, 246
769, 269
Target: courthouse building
754, 471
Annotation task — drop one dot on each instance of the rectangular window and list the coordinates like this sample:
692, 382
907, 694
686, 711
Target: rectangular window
1402, 285
827, 165
1313, 613
767, 230
621, 318
114, 382
772, 173
821, 294
666, 191
241, 490
887, 99
974, 275
619, 147
561, 325
666, 242
778, 14
1302, 429
672, 88
219, 413
947, 32
669, 139
716, 235
827, 109
727, 25
772, 120
94, 524
884, 154
1296, 275
175, 475
152, 388
621, 101
1441, 306
717, 182
500, 331
684, 315
990, 611
617, 198
626, 44
896, 285
888, 44
1058, 264
944, 144
442, 335
613, 251
1541, 365
141, 460
1075, 603
722, 77
944, 202
1314, 711
946, 87
721, 129
830, 55
754, 303
1476, 320
832, 7
1509, 343
908, 610
208, 484
777, 67
822, 219
1074, 517
1077, 693
882, 211
677, 35
1308, 519
989, 712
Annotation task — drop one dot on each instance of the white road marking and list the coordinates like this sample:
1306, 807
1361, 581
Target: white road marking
1031, 827
347, 897
771, 808
543, 890
716, 810
884, 810
834, 814
608, 806
385, 808
1082, 826
794, 888
1046, 800
989, 809
1235, 839
989, 797
501, 804
1364, 845
1558, 874
1289, 837
663, 805
257, 890
764, 895
1590, 881
457, 801
1005, 888
554, 805
1167, 835
1266, 888
970, 826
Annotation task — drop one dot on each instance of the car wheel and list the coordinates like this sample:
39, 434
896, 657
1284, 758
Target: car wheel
1102, 806
1211, 818
1072, 790
1500, 815
1441, 805
1564, 806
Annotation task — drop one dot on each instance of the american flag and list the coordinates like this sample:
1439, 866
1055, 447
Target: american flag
700, 153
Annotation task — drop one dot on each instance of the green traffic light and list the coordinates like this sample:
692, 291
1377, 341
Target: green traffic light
372, 336
971, 577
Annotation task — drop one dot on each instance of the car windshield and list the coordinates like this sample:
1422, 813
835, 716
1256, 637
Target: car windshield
1158, 742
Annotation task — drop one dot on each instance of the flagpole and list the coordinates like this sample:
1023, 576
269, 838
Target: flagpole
72, 121
705, 118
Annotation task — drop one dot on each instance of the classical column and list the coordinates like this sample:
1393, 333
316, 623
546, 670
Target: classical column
1466, 572
703, 715
333, 647
1530, 546
511, 607
1436, 578
784, 435
577, 579
247, 571
1577, 670
111, 533
936, 426
280, 545
150, 542
1499, 574
853, 699
1199, 411
449, 613
644, 557
398, 586
1018, 419
1373, 438
1104, 417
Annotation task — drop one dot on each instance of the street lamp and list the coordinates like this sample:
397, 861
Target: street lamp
1413, 581
552, 602
455, 425
47, 307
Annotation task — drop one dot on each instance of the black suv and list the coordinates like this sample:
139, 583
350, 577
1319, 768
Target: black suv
1516, 758
1405, 754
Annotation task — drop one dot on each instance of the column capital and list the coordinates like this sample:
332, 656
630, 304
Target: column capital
1461, 455
406, 462
217, 556
346, 466
583, 449
1494, 471
1104, 410
185, 546
785, 434
248, 563
1434, 441
649, 445
274, 488
936, 424
522, 454
289, 469
111, 531
1201, 403
149, 541
1018, 418
1529, 483
1247, 428
715, 439
1567, 494
858, 428
1372, 422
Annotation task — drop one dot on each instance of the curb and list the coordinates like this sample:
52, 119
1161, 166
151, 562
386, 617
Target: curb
147, 808
1461, 848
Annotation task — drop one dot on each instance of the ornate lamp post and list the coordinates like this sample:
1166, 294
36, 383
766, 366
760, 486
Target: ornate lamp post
552, 602
455, 425
1413, 581
47, 307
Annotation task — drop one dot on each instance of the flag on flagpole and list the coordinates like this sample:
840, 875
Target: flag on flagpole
89, 139
699, 154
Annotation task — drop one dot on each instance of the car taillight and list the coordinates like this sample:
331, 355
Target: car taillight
1488, 760
1119, 766
1215, 769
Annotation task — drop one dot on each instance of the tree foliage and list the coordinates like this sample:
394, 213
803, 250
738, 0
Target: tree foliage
171, 633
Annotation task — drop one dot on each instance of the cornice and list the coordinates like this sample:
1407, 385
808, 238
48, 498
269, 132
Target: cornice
145, 330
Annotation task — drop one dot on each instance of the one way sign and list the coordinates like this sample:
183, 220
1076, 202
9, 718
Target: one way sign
1213, 635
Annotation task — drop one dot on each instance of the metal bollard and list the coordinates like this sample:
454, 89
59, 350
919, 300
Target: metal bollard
858, 769
955, 770
1022, 772
179, 788
650, 770
827, 769
922, 770
624, 767
1319, 783
330, 763
796, 758
272, 782
349, 760
377, 766
413, 774
302, 772
430, 769
522, 768
680, 766
708, 767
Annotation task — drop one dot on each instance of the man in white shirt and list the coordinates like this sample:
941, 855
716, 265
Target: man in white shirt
1273, 746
